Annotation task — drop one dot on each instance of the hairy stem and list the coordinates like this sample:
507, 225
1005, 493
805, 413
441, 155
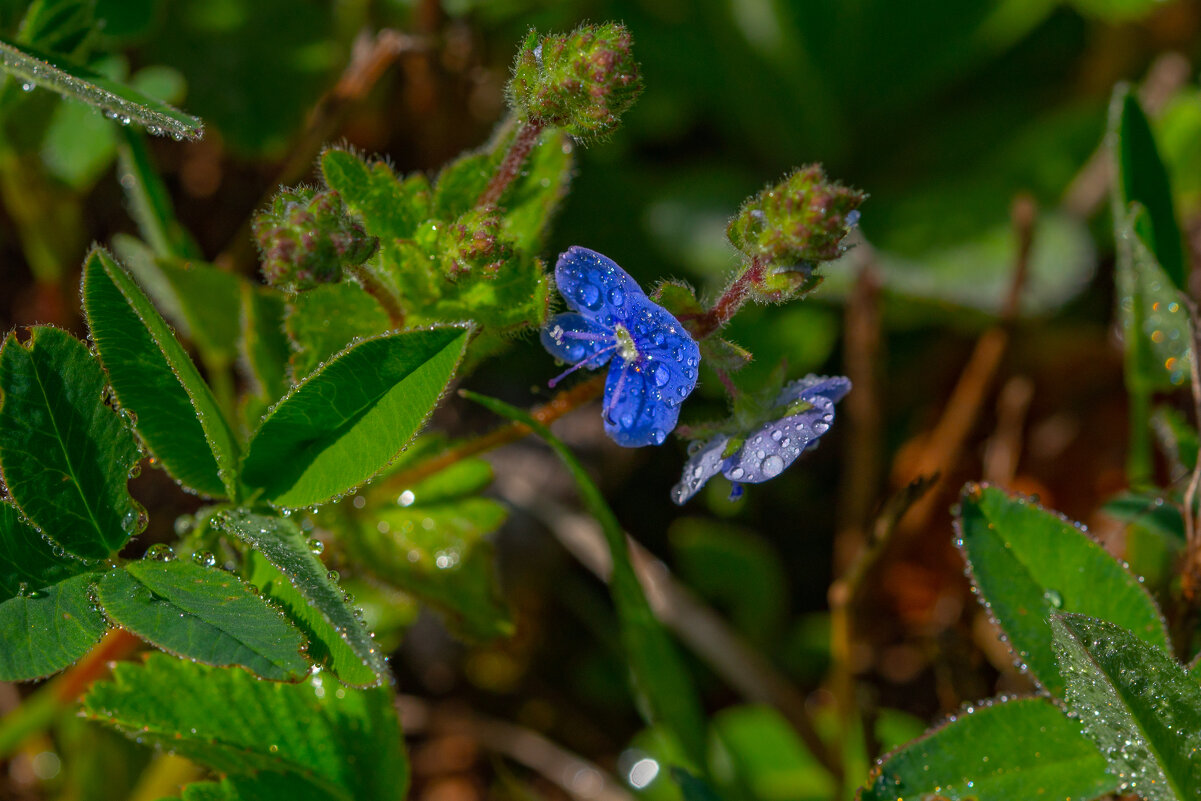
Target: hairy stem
386, 297
510, 168
730, 302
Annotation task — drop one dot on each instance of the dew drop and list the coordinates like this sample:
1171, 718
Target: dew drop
316, 546
160, 552
772, 466
204, 558
590, 296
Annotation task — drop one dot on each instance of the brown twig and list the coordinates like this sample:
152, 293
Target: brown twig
1004, 448
944, 446
1086, 192
370, 59
579, 778
562, 403
861, 477
698, 626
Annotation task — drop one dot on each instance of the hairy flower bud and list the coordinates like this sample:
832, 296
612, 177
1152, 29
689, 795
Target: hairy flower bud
581, 82
799, 221
477, 244
306, 238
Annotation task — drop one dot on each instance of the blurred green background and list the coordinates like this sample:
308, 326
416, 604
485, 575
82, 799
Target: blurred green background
944, 111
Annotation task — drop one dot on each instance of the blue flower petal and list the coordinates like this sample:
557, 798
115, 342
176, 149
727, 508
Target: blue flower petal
833, 388
573, 338
776, 445
668, 355
704, 463
635, 413
595, 286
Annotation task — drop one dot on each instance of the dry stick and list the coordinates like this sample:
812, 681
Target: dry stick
1191, 578
370, 59
1085, 194
946, 442
1004, 448
698, 626
579, 778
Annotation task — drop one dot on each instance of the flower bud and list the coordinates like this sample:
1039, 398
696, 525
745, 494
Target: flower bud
801, 220
581, 82
477, 244
306, 238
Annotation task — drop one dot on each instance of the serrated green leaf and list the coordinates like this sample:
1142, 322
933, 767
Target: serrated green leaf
204, 614
1140, 177
344, 743
391, 208
327, 647
201, 301
659, 675
1154, 321
434, 549
1028, 564
123, 102
462, 181
323, 321
281, 543
27, 560
177, 415
1000, 751
348, 420
1136, 703
48, 630
64, 454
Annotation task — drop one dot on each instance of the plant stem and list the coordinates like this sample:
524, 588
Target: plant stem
524, 141
731, 300
556, 407
376, 288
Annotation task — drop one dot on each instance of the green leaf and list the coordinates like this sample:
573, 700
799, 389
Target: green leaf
352, 417
999, 751
261, 787
1177, 438
766, 756
264, 350
1154, 321
345, 744
177, 415
65, 455
1142, 178
1136, 703
149, 200
57, 25
1028, 564
48, 629
323, 321
737, 570
462, 181
389, 207
27, 559
659, 675
429, 542
354, 656
204, 614
122, 102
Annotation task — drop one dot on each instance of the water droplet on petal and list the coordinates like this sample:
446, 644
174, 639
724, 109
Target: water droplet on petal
772, 466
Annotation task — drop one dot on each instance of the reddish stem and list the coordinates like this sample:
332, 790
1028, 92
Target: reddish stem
730, 301
510, 168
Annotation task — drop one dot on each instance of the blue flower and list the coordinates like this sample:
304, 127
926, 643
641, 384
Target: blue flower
656, 364
802, 412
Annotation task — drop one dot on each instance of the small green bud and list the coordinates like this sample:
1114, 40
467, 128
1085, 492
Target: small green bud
477, 245
581, 82
307, 237
799, 221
